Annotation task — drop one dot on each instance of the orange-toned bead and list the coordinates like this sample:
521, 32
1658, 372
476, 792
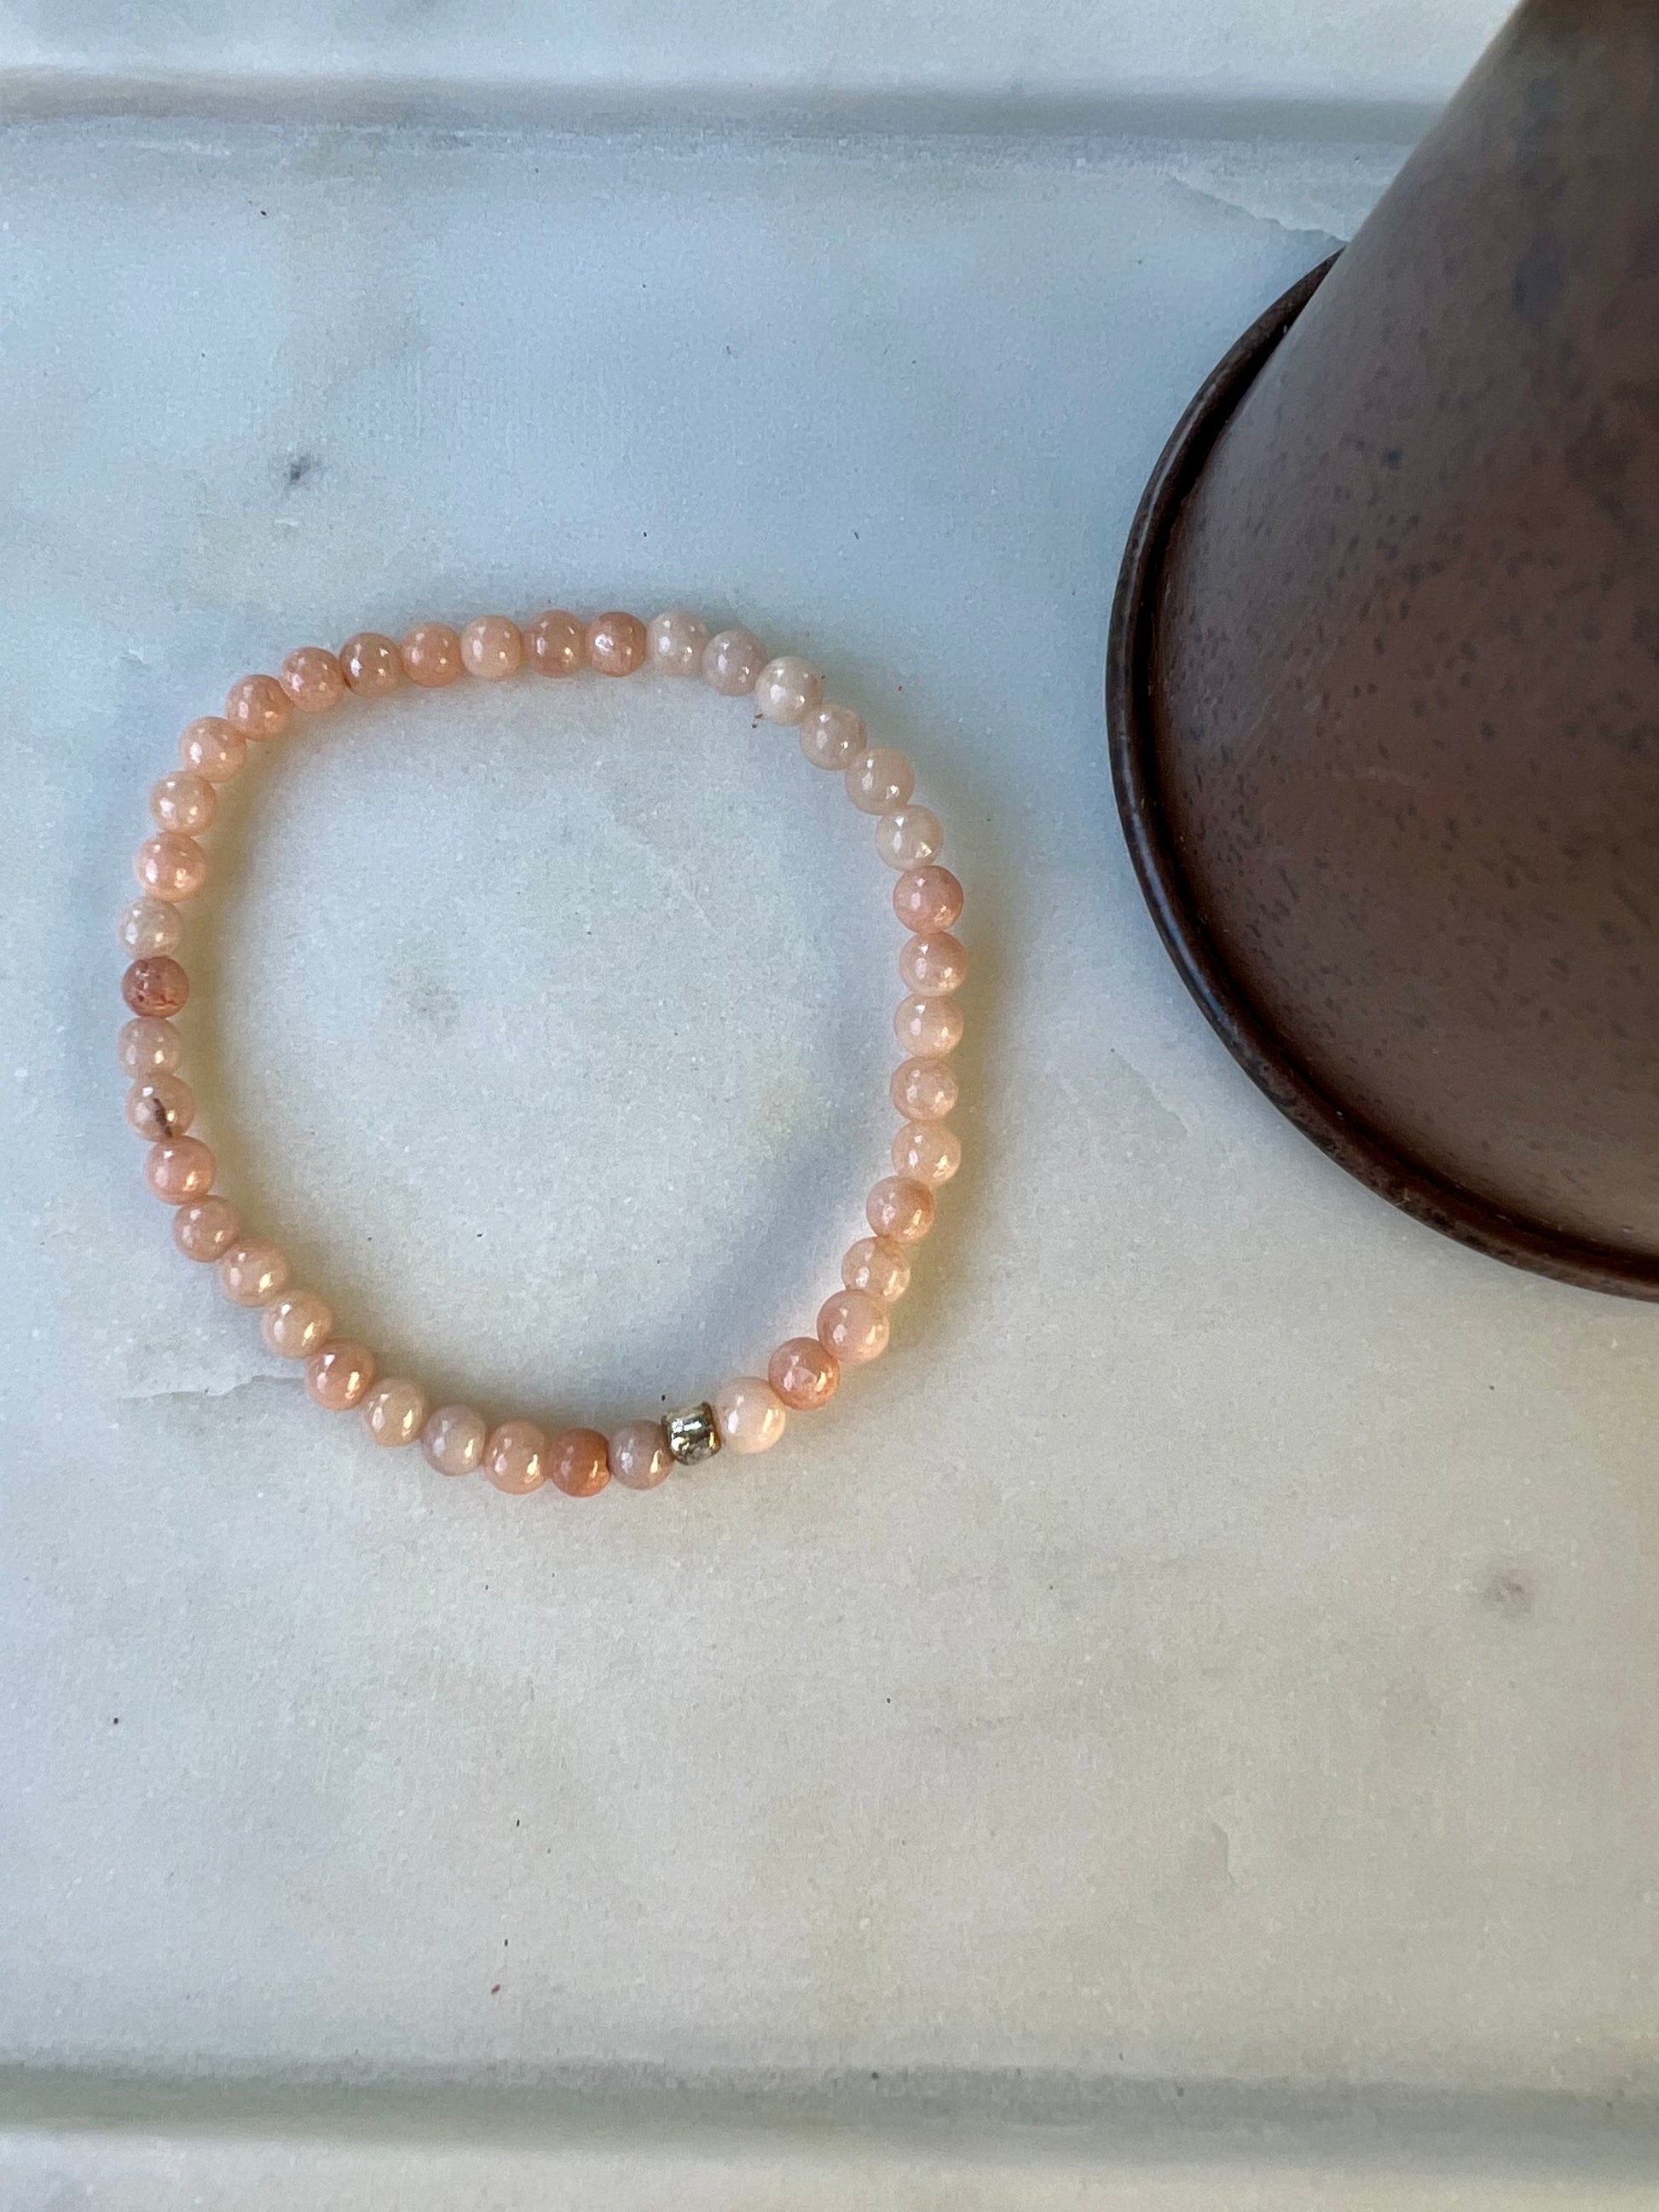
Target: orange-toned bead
184, 800
617, 645
297, 1323
927, 899
853, 1326
927, 1152
804, 1373
924, 1090
206, 1228
934, 967
180, 1168
157, 986
900, 1210
492, 648
555, 643
339, 1374
170, 867
371, 665
314, 679
394, 1412
212, 747
875, 1264
578, 1462
252, 1271
432, 655
260, 708
516, 1458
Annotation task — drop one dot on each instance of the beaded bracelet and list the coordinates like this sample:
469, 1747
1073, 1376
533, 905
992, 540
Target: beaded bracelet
748, 1415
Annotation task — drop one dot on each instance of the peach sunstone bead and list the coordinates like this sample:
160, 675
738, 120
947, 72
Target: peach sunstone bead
492, 648
150, 926
515, 1457
432, 655
927, 900
935, 966
929, 1027
579, 1462
454, 1438
212, 747
731, 660
804, 1373
314, 679
788, 689
206, 1229
161, 1106
876, 1265
394, 1412
615, 646
676, 641
909, 837
252, 1271
639, 1454
751, 1416
900, 1209
259, 706
297, 1323
854, 1327
170, 867
158, 988
555, 643
926, 1152
180, 1169
371, 665
832, 736
338, 1374
924, 1090
879, 779
148, 1046
184, 800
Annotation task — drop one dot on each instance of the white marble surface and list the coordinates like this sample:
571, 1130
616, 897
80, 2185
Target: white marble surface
1217, 1643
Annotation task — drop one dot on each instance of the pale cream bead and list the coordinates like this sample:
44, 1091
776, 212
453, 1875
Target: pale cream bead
788, 689
804, 1373
394, 1412
927, 1152
555, 643
170, 867
854, 1327
492, 648
260, 708
678, 640
880, 780
909, 837
161, 1106
206, 1229
297, 1323
930, 1028
639, 1454
314, 679
371, 666
875, 1264
179, 1170
148, 1046
515, 1457
454, 1438
253, 1271
752, 1416
934, 967
924, 1090
431, 654
184, 800
927, 899
338, 1374
900, 1209
731, 660
212, 747
615, 643
150, 926
833, 736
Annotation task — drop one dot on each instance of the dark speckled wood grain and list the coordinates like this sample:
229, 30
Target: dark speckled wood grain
1385, 681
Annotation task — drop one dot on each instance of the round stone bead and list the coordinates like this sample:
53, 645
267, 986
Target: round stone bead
161, 1106
431, 654
751, 1415
640, 1458
371, 666
909, 837
492, 648
934, 966
875, 1264
297, 1323
676, 641
394, 1412
184, 800
880, 780
929, 1027
555, 643
926, 900
515, 1457
170, 867
900, 1209
338, 1374
854, 1327
455, 1438
927, 1152
833, 736
213, 747
804, 1373
150, 926
788, 689
206, 1229
615, 646
260, 708
579, 1462
148, 1046
180, 1169
314, 679
253, 1271
924, 1090
731, 660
